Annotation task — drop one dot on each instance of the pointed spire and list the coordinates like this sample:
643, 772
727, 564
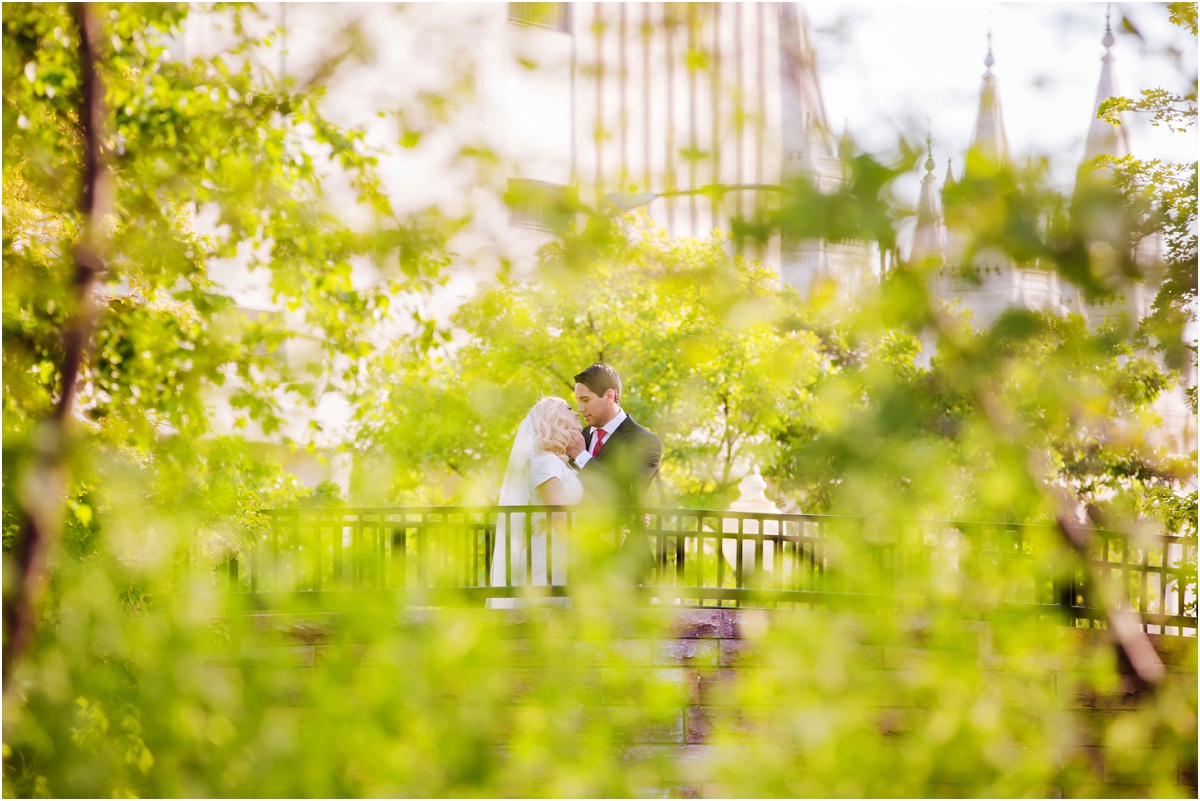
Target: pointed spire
1104, 138
846, 142
949, 173
989, 139
929, 238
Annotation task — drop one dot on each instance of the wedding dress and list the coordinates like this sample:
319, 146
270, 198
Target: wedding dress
526, 472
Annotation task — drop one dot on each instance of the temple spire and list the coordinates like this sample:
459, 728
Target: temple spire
929, 238
989, 139
846, 143
1104, 138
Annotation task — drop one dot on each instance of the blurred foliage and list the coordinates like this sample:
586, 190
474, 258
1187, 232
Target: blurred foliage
1165, 194
149, 678
940, 708
705, 358
211, 159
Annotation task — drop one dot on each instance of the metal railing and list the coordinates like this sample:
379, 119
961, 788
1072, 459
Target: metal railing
717, 558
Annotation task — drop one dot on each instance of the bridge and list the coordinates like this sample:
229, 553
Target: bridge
726, 559
751, 632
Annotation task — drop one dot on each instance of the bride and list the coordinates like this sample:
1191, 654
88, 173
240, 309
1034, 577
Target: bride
537, 474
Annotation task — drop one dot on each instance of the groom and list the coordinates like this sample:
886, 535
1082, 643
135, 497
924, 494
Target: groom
617, 459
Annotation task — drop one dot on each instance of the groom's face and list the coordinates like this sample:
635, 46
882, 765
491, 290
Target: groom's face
596, 409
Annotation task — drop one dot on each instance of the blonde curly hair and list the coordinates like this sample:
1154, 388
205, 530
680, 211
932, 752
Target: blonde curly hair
552, 431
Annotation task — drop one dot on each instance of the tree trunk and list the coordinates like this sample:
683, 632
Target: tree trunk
42, 488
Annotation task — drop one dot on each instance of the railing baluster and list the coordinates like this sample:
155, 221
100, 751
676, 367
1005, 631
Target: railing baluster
459, 545
756, 556
527, 535
461, 533
569, 528
273, 541
1143, 595
803, 557
256, 556
477, 543
317, 528
697, 554
661, 535
740, 570
780, 542
660, 558
486, 555
719, 535
817, 558
400, 544
456, 533
791, 557
385, 553
339, 534
548, 538
421, 549
471, 543
1163, 577
1177, 595
508, 549
679, 559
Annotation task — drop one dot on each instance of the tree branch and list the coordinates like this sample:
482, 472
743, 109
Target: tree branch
557, 372
1123, 624
41, 490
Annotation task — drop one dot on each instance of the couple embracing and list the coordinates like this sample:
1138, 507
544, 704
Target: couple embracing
607, 467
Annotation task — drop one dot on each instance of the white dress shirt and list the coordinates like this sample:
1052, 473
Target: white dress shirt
608, 428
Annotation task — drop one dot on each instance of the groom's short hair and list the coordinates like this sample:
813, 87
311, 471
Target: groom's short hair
600, 378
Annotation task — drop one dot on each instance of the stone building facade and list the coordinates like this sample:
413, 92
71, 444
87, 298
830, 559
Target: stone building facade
522, 109
997, 283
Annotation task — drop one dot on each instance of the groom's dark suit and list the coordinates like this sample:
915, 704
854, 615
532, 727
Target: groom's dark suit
619, 475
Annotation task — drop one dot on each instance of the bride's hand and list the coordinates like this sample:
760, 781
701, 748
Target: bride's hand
575, 446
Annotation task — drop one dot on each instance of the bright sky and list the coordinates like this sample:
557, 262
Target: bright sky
893, 67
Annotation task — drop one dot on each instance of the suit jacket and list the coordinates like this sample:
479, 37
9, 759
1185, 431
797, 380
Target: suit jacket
626, 465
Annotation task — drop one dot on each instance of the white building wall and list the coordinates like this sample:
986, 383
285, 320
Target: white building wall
651, 120
612, 103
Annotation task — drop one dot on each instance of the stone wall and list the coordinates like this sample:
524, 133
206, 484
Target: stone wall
710, 660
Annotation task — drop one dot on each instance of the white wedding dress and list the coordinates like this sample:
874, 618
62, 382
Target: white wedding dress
526, 472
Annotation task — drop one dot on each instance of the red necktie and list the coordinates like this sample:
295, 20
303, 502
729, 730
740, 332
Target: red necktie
600, 435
